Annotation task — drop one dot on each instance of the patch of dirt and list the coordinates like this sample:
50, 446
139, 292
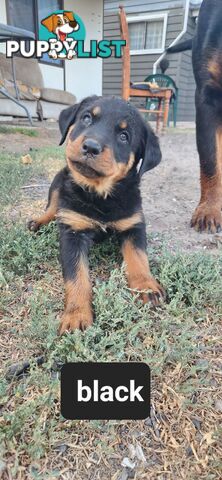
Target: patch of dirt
171, 192
48, 135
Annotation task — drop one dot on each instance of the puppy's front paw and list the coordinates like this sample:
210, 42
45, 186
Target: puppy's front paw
207, 217
33, 225
53, 54
70, 55
156, 297
75, 320
149, 290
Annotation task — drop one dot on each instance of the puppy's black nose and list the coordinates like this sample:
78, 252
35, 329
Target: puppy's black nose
91, 146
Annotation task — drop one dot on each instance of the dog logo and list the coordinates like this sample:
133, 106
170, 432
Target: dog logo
61, 34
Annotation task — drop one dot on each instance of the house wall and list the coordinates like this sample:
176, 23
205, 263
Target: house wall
53, 77
81, 77
186, 80
180, 68
84, 76
3, 19
50, 79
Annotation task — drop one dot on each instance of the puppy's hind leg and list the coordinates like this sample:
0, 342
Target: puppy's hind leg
53, 198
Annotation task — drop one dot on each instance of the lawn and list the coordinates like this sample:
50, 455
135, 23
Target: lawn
30, 132
181, 341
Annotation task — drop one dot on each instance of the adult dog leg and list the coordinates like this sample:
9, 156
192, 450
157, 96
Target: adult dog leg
207, 215
74, 247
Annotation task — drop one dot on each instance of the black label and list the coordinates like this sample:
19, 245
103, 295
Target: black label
105, 391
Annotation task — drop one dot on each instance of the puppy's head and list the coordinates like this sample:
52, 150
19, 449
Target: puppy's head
61, 24
107, 138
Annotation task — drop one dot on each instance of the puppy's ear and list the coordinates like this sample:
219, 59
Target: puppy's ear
72, 22
67, 117
48, 22
69, 15
150, 153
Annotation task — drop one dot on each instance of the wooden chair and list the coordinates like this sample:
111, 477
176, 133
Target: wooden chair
164, 81
129, 90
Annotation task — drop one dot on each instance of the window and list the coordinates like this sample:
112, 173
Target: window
147, 33
28, 14
21, 14
45, 8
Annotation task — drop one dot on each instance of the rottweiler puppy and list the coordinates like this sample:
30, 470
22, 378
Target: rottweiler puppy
98, 191
207, 66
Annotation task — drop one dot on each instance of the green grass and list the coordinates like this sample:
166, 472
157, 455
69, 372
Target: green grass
178, 340
30, 132
122, 331
14, 174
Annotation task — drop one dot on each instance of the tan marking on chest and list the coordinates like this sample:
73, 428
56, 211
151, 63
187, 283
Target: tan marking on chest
127, 223
79, 222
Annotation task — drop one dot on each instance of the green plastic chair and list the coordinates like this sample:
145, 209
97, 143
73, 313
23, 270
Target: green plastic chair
164, 81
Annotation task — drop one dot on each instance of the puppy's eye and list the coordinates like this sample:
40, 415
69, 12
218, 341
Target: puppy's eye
66, 20
87, 119
59, 22
124, 137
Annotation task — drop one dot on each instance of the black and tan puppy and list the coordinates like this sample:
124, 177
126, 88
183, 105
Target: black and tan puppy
98, 191
207, 66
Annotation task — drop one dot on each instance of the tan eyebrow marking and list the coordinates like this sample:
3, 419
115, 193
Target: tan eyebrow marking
96, 111
123, 124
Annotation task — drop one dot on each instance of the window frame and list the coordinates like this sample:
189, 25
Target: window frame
45, 62
36, 32
145, 18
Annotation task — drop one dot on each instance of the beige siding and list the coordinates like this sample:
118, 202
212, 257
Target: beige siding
142, 65
186, 80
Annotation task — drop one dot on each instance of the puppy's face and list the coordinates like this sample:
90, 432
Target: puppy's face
62, 27
61, 24
106, 139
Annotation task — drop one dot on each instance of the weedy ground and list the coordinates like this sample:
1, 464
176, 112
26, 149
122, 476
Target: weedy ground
30, 132
180, 340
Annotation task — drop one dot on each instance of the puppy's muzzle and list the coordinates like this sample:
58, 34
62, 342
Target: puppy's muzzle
91, 147
90, 157
90, 150
86, 170
73, 23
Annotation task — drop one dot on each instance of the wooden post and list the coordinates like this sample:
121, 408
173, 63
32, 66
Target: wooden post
159, 115
126, 55
166, 109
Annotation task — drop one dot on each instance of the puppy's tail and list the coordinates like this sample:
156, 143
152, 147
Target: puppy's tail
181, 47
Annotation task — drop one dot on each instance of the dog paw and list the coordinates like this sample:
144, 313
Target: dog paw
149, 291
33, 225
71, 54
156, 297
53, 54
207, 218
73, 321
